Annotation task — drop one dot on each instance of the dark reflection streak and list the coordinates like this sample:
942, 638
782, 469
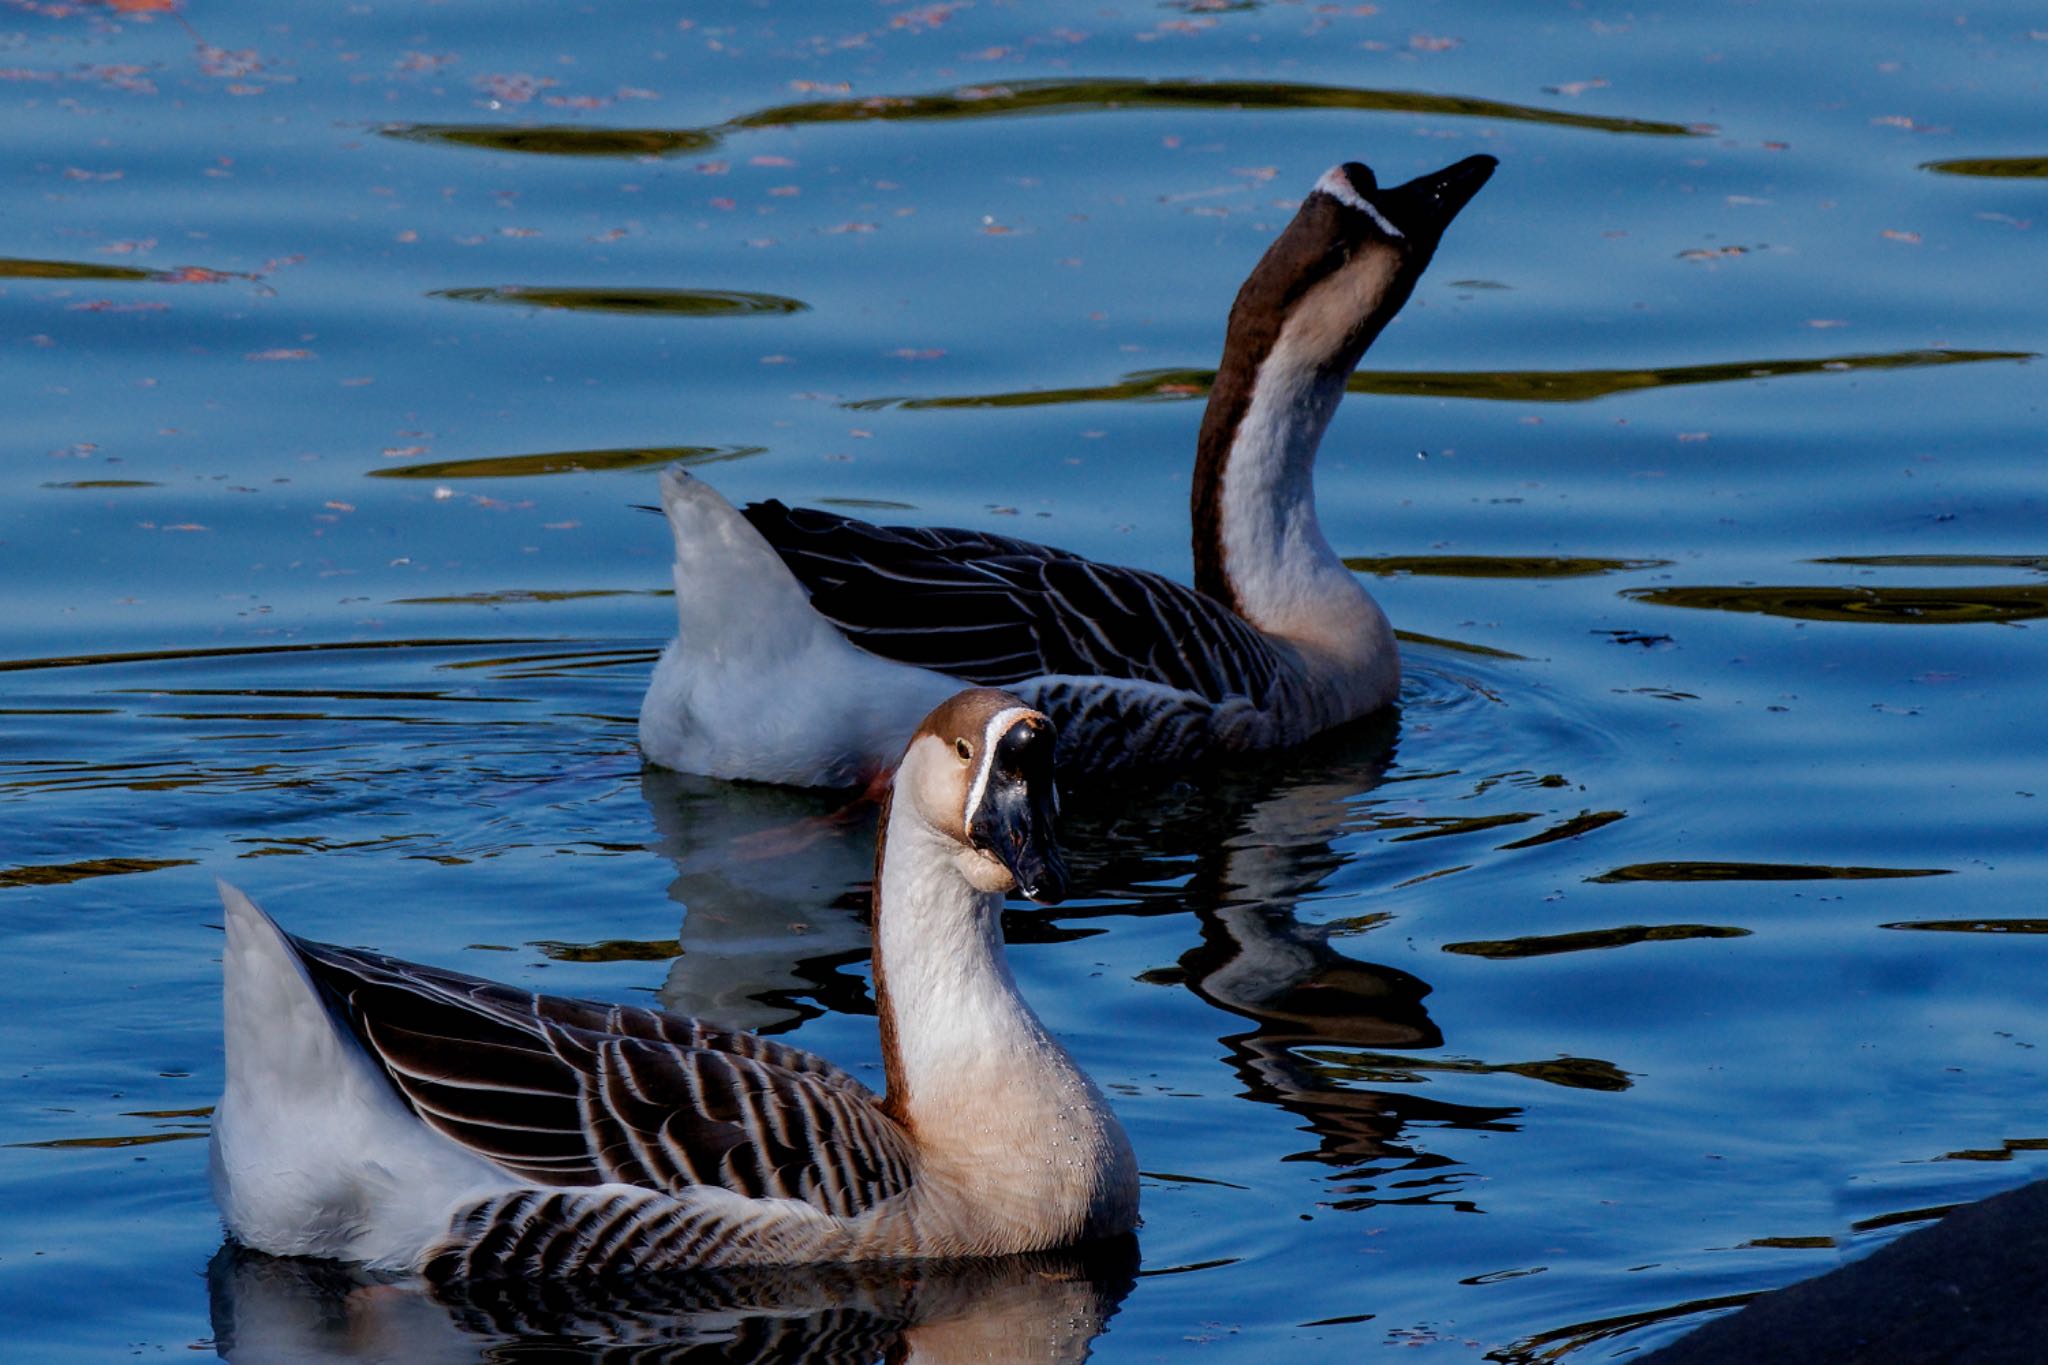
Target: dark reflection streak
2038, 563
1495, 566
1415, 637
1973, 926
245, 651
1862, 605
1190, 1267
561, 670
20, 268
1573, 1073
556, 139
1562, 1341
318, 694
1585, 822
1901, 1217
610, 950
523, 596
352, 718
1816, 1243
1518, 386
58, 874
313, 843
645, 301
1544, 945
2005, 1151
1993, 167
101, 1143
1170, 1178
565, 462
582, 658
1757, 872
1104, 95
17, 268
1441, 827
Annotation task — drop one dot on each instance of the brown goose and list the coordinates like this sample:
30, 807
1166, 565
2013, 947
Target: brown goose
807, 641
419, 1119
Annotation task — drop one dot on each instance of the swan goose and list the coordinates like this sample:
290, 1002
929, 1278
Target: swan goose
417, 1119
807, 641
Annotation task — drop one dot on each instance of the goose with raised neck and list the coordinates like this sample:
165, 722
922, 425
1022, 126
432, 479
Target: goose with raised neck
793, 613
418, 1119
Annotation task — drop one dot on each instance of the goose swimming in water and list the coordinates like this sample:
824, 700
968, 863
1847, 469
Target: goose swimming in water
807, 641
422, 1120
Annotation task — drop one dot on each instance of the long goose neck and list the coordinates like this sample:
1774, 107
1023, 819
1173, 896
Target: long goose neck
1293, 341
952, 1022
1255, 465
1258, 546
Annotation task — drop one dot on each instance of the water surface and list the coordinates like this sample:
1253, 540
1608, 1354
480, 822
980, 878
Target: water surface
1679, 937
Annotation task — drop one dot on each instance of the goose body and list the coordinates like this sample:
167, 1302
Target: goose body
419, 1119
806, 641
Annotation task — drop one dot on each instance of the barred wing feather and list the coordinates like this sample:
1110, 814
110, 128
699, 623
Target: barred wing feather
576, 1093
998, 611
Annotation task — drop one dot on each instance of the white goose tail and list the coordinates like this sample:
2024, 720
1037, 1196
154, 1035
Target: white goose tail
756, 683
314, 1154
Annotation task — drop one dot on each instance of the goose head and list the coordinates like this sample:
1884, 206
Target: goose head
1343, 268
979, 773
1333, 278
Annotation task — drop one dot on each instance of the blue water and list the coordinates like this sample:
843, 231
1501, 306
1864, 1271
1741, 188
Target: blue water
1586, 995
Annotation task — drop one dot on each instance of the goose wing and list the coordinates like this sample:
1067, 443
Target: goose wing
571, 1092
997, 611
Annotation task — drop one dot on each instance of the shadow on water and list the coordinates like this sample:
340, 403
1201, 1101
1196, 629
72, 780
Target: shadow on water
1510, 386
1007, 100
1049, 1306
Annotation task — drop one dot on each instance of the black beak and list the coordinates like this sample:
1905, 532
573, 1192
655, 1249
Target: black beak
1425, 206
1014, 818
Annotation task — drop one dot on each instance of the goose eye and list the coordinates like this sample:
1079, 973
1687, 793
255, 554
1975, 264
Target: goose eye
964, 749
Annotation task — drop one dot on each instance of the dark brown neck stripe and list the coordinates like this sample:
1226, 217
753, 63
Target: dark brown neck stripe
895, 1103
1254, 328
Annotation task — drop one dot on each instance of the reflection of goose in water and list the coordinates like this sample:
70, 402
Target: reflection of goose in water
1339, 1042
1258, 960
773, 882
1045, 1306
